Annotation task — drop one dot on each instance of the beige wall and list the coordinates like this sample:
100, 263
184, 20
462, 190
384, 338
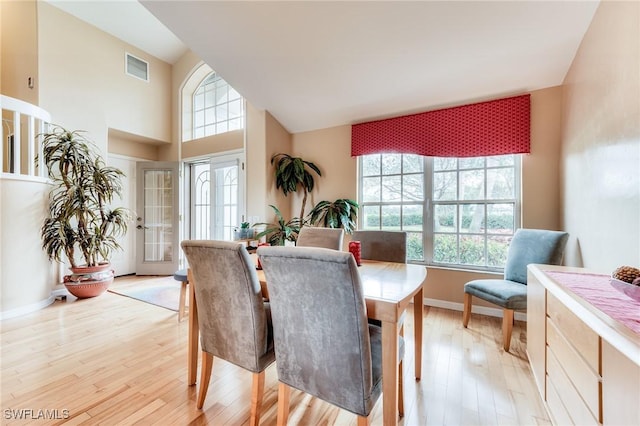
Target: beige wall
84, 86
330, 149
19, 50
265, 137
279, 140
213, 144
124, 144
601, 142
541, 168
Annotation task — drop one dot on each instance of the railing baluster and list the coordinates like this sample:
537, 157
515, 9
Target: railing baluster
30, 148
16, 142
41, 131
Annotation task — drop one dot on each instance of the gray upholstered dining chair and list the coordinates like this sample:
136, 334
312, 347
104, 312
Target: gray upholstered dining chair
235, 322
388, 246
324, 345
316, 236
527, 246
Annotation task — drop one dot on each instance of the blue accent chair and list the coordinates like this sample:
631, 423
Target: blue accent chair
527, 246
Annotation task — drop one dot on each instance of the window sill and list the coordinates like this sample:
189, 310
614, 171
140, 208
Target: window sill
461, 269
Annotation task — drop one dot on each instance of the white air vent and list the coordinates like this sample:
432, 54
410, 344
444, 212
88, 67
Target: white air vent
136, 67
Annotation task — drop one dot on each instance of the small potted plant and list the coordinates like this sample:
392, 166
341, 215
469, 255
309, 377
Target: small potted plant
81, 226
278, 233
244, 233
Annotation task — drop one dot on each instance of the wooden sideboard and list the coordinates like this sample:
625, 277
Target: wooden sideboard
586, 364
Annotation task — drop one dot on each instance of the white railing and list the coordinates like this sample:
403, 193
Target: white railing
15, 115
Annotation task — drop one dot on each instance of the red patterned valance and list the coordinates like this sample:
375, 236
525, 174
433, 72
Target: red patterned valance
486, 128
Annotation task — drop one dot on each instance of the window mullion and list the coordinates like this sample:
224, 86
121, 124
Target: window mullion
428, 210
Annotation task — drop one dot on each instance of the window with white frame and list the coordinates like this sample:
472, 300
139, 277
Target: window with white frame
217, 108
457, 212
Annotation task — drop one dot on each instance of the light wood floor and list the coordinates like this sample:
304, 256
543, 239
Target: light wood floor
113, 360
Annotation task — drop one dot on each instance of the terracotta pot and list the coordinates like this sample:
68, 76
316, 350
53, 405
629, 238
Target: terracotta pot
89, 281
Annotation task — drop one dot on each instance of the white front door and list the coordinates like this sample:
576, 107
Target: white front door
216, 194
157, 221
227, 200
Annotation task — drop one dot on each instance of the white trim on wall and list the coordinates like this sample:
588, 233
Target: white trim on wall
23, 310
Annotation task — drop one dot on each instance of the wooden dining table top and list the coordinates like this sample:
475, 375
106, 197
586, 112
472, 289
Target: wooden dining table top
380, 280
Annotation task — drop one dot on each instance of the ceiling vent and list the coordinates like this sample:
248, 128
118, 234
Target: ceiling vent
136, 67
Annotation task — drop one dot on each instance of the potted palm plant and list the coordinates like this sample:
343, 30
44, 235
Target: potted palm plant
341, 213
80, 225
292, 173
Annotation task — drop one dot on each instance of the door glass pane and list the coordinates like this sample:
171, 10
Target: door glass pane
226, 201
201, 202
158, 216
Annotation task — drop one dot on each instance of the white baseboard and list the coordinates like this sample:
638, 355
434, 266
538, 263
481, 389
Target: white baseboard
61, 292
482, 310
23, 310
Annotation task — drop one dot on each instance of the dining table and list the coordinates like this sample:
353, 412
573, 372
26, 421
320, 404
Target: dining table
388, 289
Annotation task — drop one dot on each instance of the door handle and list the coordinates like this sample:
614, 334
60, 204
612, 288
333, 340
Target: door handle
141, 227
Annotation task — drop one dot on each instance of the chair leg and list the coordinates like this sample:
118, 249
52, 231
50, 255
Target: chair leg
205, 376
507, 328
400, 393
363, 421
284, 392
257, 393
183, 298
466, 313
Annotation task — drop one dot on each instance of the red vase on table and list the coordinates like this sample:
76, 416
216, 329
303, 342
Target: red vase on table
260, 245
354, 248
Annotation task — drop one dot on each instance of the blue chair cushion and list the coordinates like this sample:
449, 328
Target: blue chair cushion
533, 246
180, 275
504, 293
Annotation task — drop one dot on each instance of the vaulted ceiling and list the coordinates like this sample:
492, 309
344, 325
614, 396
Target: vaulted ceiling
317, 64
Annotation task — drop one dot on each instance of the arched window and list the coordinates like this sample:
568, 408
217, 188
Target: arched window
217, 107
210, 106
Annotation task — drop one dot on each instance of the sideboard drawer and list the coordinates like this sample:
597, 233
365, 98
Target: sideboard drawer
577, 370
571, 399
579, 335
558, 411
